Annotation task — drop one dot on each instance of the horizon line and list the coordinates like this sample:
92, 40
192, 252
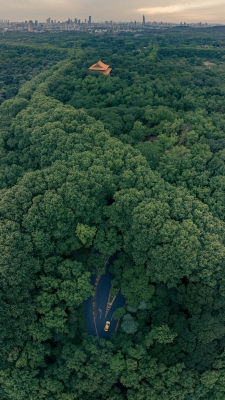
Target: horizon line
110, 20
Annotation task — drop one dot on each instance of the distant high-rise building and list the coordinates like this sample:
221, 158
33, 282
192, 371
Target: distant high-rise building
89, 20
30, 26
48, 20
143, 20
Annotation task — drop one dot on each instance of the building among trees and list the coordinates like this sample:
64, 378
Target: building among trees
101, 67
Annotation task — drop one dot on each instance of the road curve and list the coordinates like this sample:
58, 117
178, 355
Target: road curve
95, 326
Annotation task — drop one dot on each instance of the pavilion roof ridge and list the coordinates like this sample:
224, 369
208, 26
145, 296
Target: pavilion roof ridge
99, 66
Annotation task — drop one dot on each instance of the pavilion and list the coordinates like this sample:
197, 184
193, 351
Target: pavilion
101, 67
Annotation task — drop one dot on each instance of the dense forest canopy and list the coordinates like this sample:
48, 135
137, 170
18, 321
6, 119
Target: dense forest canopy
132, 165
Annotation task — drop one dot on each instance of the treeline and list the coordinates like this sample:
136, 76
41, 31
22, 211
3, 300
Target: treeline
75, 190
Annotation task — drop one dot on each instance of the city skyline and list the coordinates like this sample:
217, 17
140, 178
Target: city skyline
212, 11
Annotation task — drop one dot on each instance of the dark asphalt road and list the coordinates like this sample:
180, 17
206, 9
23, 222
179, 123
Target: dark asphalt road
102, 294
89, 320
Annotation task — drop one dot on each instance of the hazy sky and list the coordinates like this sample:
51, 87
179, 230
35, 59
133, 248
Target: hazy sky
117, 10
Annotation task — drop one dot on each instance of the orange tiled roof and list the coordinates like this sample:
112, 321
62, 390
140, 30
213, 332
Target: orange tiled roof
99, 66
107, 71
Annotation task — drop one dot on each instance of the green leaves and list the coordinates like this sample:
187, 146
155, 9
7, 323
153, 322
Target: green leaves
160, 334
118, 364
65, 287
136, 286
129, 324
85, 234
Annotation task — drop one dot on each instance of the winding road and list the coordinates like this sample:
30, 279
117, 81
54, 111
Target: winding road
96, 310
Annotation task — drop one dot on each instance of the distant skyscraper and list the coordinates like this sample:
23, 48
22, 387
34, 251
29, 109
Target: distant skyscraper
30, 26
89, 20
143, 20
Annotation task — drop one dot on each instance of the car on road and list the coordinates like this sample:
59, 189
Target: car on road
107, 324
